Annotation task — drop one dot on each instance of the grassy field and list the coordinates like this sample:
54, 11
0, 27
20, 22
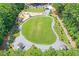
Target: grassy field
38, 30
34, 9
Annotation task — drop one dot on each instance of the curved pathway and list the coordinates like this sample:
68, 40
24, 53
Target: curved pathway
21, 39
28, 44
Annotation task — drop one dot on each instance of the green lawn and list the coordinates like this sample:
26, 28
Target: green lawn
34, 9
38, 30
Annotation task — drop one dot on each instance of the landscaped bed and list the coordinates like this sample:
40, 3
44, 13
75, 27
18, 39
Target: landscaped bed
38, 30
60, 32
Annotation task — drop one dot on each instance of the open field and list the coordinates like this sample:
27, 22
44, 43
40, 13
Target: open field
38, 30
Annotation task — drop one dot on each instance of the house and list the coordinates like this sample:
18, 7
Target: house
37, 5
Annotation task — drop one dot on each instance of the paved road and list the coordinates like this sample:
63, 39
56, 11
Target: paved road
58, 44
46, 12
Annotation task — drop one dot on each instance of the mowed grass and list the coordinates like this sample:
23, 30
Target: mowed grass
34, 9
38, 30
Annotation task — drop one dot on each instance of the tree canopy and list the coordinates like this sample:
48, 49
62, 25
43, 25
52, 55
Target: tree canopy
70, 16
8, 14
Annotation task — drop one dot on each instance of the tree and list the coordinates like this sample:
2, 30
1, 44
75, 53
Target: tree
50, 52
34, 51
8, 15
70, 16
